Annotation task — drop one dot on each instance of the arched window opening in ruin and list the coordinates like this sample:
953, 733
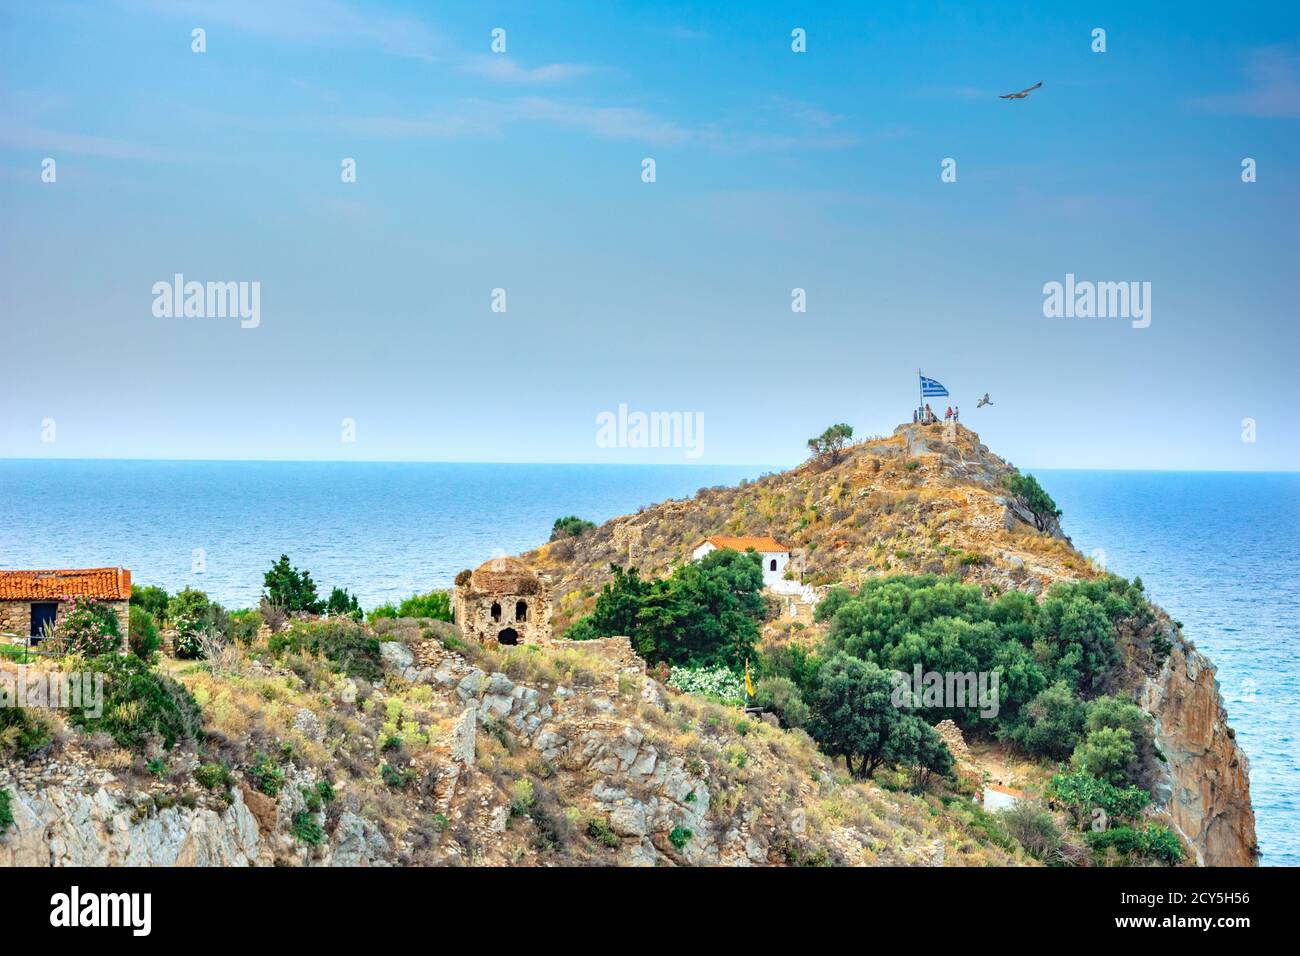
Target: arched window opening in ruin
521, 611
496, 611
508, 636
773, 565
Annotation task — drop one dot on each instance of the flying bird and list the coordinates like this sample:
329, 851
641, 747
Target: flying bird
984, 401
1022, 94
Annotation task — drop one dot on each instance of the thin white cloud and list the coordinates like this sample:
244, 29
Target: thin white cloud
603, 122
1273, 87
327, 22
802, 112
56, 141
500, 68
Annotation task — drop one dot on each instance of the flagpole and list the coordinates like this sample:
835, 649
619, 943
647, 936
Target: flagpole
920, 409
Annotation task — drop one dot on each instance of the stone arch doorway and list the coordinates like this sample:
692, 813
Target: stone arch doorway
508, 636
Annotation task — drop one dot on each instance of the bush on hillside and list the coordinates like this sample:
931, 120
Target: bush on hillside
781, 696
720, 683
1151, 842
343, 604
152, 599
853, 716
340, 640
1031, 493
23, 733
1034, 828
570, 526
705, 614
89, 628
190, 612
291, 589
1082, 795
944, 626
139, 704
143, 634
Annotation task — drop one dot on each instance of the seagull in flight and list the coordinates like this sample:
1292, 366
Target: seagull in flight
984, 401
1022, 94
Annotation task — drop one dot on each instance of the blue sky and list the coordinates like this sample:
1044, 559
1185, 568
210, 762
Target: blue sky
775, 170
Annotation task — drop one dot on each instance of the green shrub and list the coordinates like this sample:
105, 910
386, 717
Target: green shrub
782, 697
143, 634
395, 778
680, 837
189, 612
570, 527
23, 733
522, 797
1150, 842
244, 625
598, 829
90, 628
151, 599
138, 704
345, 642
1108, 754
705, 614
291, 589
265, 775
1031, 493
1081, 794
343, 604
385, 610
1034, 828
307, 830
435, 605
720, 683
214, 776
6, 811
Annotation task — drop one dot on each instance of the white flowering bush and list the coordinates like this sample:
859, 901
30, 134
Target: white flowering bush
719, 682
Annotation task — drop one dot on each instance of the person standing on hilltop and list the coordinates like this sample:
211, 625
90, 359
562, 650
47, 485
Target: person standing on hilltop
947, 416
956, 413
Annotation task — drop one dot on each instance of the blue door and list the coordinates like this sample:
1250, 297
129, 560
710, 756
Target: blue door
43, 615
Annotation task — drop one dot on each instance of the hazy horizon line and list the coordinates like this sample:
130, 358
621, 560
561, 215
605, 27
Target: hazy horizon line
610, 464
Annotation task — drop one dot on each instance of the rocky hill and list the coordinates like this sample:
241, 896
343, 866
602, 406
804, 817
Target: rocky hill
403, 743
935, 499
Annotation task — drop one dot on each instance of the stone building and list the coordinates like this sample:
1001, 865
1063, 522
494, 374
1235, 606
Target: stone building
502, 600
31, 600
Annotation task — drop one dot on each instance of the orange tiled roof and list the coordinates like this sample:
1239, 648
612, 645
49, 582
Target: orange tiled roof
762, 545
102, 584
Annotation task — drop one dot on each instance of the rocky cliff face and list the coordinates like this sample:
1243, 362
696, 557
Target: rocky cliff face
1208, 779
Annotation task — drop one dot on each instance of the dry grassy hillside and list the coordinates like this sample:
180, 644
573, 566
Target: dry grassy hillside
925, 499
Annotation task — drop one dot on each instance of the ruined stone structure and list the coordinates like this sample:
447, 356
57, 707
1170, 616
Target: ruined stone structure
502, 600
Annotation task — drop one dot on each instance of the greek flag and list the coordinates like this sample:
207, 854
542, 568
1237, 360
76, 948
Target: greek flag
932, 389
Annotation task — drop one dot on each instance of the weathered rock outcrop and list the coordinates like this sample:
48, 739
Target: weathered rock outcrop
1208, 775
63, 826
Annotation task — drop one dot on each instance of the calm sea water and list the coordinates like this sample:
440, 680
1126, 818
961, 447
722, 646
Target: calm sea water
1221, 552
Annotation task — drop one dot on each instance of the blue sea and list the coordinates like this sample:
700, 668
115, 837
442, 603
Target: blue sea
1219, 551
